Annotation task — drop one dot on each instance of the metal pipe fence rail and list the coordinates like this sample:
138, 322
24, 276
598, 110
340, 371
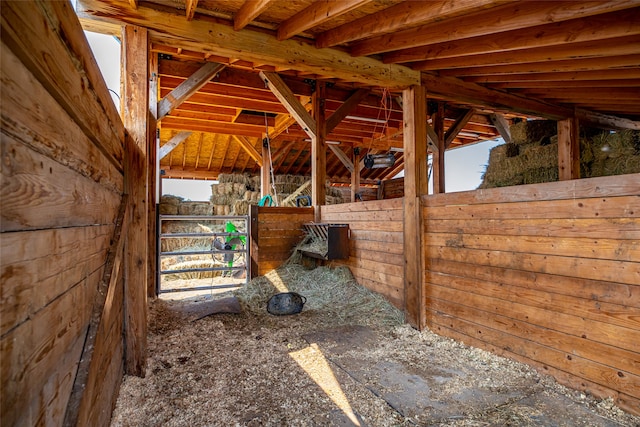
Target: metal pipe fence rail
224, 245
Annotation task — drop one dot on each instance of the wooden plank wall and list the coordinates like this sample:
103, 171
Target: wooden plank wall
376, 244
548, 274
275, 231
392, 189
61, 141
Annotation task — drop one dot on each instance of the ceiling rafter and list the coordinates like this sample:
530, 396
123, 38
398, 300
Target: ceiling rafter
255, 46
581, 30
190, 8
626, 45
315, 14
249, 148
457, 126
499, 19
187, 88
290, 102
401, 15
249, 11
170, 145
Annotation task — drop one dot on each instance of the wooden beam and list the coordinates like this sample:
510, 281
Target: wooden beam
203, 34
591, 28
342, 156
110, 277
265, 171
135, 47
438, 156
315, 14
153, 161
512, 16
249, 11
568, 149
282, 150
627, 45
502, 125
346, 107
173, 143
318, 149
190, 8
455, 128
583, 64
402, 15
472, 93
432, 138
458, 90
283, 122
355, 176
187, 88
612, 74
415, 185
605, 121
290, 102
249, 148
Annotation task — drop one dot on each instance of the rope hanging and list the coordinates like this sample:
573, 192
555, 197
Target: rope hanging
268, 142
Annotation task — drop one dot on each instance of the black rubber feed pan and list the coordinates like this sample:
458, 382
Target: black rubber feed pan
286, 303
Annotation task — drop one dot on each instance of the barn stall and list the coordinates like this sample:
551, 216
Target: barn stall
546, 274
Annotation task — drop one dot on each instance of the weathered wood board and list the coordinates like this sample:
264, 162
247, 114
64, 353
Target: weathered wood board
275, 231
548, 274
376, 241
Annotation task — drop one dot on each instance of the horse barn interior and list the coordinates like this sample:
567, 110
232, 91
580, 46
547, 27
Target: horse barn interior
547, 273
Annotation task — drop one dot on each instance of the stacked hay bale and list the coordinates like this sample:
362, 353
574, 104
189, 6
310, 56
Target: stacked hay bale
610, 154
234, 193
169, 204
195, 208
532, 156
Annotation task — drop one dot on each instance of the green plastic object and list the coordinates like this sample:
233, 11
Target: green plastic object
231, 228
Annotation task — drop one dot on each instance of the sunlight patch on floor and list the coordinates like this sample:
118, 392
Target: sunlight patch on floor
316, 366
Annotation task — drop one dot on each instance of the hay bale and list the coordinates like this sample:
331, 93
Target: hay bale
240, 207
195, 208
512, 150
532, 131
167, 209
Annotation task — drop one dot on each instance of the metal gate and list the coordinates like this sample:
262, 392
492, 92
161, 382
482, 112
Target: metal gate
202, 252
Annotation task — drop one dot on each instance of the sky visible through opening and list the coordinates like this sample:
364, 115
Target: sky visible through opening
463, 166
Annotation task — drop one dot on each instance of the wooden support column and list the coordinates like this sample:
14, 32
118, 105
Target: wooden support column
438, 155
265, 172
355, 175
415, 185
153, 177
319, 149
568, 149
135, 113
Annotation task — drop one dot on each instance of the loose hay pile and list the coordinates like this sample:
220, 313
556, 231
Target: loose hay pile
532, 156
255, 369
331, 292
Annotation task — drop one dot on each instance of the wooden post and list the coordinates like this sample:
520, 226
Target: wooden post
438, 156
318, 148
265, 172
153, 177
135, 115
355, 175
568, 149
415, 185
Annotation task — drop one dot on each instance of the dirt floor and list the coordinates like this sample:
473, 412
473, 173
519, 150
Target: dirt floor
346, 360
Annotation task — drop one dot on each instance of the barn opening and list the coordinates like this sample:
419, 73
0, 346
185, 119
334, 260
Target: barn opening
542, 268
